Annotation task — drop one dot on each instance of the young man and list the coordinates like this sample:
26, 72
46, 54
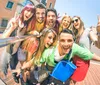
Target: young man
65, 45
39, 23
40, 17
51, 19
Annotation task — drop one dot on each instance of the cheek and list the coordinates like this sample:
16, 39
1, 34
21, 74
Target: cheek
31, 15
46, 41
70, 44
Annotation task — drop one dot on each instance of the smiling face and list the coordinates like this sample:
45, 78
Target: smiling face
66, 22
76, 22
49, 39
40, 15
51, 19
65, 43
27, 14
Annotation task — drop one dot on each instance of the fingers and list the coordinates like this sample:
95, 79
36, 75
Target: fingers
16, 16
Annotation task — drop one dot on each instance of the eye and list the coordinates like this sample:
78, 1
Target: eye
70, 40
62, 40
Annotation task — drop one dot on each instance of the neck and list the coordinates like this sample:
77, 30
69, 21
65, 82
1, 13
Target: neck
48, 26
60, 51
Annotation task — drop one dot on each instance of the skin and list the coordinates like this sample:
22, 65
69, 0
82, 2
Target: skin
27, 15
66, 22
49, 40
51, 19
40, 15
76, 23
65, 43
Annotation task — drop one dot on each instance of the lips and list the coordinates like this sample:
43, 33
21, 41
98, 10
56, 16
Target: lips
66, 49
76, 24
51, 21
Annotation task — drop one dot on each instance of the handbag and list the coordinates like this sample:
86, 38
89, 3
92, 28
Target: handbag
41, 73
21, 54
63, 70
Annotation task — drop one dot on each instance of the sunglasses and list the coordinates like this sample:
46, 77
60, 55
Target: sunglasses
76, 20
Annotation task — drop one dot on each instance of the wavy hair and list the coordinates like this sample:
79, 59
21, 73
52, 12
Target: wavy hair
30, 23
41, 47
78, 32
61, 27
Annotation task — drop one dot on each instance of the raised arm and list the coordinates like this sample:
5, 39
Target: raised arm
97, 43
13, 23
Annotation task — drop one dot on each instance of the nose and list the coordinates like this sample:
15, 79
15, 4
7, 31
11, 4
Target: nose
51, 17
66, 44
51, 41
29, 13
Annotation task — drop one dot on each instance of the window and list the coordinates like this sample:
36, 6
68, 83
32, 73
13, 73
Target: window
9, 4
50, 6
4, 22
44, 2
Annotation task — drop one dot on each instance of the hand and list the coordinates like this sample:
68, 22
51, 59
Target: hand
18, 71
98, 18
98, 26
21, 32
14, 21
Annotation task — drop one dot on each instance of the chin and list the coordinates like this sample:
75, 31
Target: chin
66, 52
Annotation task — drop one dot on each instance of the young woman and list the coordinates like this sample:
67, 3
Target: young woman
65, 49
65, 23
48, 37
17, 26
84, 37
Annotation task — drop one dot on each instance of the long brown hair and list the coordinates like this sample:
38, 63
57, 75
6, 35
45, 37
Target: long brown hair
80, 31
30, 23
41, 47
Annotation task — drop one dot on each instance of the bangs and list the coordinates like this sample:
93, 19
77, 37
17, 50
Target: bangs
30, 8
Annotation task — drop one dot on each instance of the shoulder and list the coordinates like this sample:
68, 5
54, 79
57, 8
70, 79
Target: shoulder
48, 51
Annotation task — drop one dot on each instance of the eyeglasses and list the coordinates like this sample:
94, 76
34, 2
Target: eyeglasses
76, 20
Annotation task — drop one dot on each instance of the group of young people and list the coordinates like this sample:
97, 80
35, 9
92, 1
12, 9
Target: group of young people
52, 41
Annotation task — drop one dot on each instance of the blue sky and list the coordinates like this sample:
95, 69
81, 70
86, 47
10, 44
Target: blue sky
86, 9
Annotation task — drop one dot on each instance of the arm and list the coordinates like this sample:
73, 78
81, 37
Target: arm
92, 34
12, 25
8, 30
96, 57
97, 43
85, 53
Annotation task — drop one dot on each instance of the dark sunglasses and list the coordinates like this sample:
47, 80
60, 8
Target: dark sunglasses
76, 20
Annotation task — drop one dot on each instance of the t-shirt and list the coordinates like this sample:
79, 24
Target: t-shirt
48, 56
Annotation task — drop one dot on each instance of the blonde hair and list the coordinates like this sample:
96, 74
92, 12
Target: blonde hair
61, 27
41, 47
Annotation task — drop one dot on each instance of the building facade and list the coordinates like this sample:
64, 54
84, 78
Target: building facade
9, 7
48, 3
7, 11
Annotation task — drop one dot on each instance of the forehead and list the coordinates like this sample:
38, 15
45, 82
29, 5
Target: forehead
67, 18
40, 10
75, 18
51, 13
49, 34
66, 36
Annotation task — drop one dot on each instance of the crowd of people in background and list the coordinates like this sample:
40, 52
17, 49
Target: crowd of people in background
53, 39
